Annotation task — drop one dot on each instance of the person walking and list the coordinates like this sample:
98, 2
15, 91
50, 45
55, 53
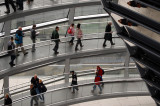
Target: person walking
7, 100
74, 81
19, 4
7, 2
33, 94
71, 32
100, 71
35, 82
55, 38
97, 82
79, 36
108, 34
11, 51
33, 37
19, 41
42, 88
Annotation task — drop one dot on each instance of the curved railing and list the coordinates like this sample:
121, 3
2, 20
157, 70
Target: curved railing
91, 41
43, 4
115, 73
113, 88
47, 8
83, 77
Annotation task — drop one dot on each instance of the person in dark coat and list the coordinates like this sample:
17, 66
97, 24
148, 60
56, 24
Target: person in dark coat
7, 2
35, 82
55, 37
33, 37
74, 81
19, 4
108, 34
11, 51
42, 88
7, 100
97, 82
33, 94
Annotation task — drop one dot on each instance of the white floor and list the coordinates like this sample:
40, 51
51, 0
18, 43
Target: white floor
123, 101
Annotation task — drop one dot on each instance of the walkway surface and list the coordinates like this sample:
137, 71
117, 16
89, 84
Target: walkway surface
112, 87
122, 101
64, 48
42, 4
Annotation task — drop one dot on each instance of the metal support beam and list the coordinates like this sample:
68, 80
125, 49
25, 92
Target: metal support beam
126, 64
71, 16
6, 84
67, 70
7, 28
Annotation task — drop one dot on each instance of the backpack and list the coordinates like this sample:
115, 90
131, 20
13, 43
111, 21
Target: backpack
44, 89
69, 30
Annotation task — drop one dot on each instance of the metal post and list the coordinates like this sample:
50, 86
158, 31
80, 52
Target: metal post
71, 16
7, 28
126, 64
67, 70
6, 85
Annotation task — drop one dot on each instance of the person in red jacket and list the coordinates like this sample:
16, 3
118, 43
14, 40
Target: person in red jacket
100, 72
97, 82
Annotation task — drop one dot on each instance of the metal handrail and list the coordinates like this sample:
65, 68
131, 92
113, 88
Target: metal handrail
62, 77
55, 40
29, 27
51, 77
90, 83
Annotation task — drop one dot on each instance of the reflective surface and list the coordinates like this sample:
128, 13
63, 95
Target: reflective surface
44, 3
92, 40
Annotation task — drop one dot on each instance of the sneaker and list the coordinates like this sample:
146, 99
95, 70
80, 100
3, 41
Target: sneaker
82, 45
76, 49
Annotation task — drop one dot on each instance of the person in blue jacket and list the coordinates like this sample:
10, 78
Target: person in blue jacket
19, 41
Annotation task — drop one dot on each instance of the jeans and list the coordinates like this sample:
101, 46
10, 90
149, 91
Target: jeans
72, 39
33, 45
37, 91
42, 97
12, 59
78, 42
94, 87
35, 99
56, 45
